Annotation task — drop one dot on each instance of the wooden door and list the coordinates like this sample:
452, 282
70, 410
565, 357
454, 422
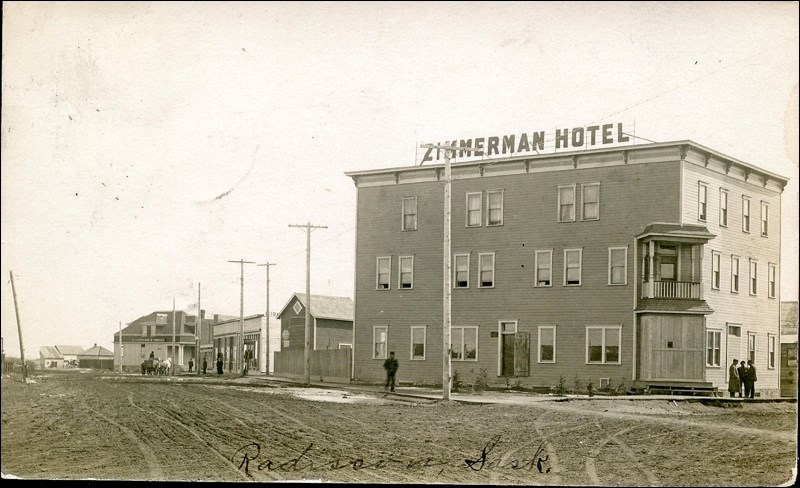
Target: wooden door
508, 355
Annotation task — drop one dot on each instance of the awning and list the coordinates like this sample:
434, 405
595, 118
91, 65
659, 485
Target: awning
672, 305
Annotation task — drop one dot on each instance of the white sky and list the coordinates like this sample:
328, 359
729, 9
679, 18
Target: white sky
122, 122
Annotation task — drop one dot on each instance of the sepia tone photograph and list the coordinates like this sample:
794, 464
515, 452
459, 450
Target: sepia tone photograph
490, 243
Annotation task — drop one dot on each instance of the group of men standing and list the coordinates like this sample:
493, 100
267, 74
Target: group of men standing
742, 379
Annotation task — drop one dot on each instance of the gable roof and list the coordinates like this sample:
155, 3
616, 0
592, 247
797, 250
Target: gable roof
70, 350
97, 351
49, 352
325, 307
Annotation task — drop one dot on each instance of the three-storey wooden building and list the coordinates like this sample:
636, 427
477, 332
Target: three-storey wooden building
650, 266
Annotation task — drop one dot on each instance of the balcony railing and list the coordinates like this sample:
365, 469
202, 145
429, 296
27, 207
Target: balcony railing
671, 289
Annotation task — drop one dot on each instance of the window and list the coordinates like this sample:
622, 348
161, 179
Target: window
753, 277
772, 284
602, 344
723, 207
702, 201
572, 266
712, 347
406, 272
464, 343
764, 218
410, 213
461, 270
734, 274
142, 350
591, 201
770, 351
384, 272
745, 214
544, 268
617, 265
486, 267
380, 339
547, 344
566, 203
418, 343
144, 331
345, 345
474, 210
494, 204
715, 272
751, 346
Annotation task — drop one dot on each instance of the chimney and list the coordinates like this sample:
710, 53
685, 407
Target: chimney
216, 318
202, 314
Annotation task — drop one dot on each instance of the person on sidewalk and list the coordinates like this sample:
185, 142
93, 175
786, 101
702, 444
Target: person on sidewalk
750, 380
219, 363
734, 385
191, 364
390, 365
205, 364
742, 370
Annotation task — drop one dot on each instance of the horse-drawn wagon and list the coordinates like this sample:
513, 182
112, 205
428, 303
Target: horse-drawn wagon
150, 366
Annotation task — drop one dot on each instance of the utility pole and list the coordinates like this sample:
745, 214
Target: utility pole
120, 347
172, 360
264, 349
307, 348
19, 330
240, 347
198, 333
449, 153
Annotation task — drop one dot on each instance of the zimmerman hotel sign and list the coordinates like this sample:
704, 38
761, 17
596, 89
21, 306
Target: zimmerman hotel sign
576, 138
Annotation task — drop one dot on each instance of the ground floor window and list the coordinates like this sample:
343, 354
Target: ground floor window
418, 342
712, 347
464, 343
142, 349
771, 351
751, 346
380, 339
602, 344
547, 344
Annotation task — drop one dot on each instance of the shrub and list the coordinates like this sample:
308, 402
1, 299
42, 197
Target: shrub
590, 388
561, 386
482, 380
457, 383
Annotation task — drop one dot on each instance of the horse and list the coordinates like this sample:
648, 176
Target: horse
165, 367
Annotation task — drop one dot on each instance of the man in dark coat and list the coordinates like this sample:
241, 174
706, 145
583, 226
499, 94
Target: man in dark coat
390, 365
750, 380
205, 364
742, 370
219, 363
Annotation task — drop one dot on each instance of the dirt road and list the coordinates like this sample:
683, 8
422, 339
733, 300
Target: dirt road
77, 426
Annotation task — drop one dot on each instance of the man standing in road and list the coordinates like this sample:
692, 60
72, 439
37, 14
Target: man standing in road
390, 365
734, 385
750, 380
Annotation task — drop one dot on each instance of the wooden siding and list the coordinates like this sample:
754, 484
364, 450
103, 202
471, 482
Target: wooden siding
672, 347
756, 314
631, 197
326, 365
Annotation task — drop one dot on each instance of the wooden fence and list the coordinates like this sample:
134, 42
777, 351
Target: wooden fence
331, 365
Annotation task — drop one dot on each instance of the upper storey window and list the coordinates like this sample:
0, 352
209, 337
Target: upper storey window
409, 213
566, 203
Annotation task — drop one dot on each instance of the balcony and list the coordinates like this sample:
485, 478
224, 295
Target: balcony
671, 289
